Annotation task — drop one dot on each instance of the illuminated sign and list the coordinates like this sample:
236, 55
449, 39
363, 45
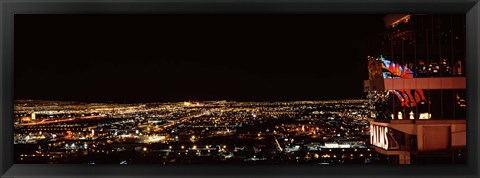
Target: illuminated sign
404, 19
381, 67
379, 136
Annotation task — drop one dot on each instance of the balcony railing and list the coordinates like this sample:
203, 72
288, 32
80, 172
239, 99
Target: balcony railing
415, 83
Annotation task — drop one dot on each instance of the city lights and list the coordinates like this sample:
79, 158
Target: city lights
412, 108
185, 136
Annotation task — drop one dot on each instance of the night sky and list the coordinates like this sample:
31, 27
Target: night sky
161, 58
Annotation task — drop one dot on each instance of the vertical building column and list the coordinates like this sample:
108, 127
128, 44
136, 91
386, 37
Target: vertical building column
407, 142
404, 157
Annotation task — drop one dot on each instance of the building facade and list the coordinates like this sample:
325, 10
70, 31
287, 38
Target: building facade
416, 89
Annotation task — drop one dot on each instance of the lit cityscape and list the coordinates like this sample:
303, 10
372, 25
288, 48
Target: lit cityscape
311, 132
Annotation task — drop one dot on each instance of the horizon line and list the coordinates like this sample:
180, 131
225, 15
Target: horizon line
194, 101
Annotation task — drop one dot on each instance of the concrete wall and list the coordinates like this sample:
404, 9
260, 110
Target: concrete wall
440, 136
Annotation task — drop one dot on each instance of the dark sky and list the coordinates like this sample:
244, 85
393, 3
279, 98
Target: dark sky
149, 58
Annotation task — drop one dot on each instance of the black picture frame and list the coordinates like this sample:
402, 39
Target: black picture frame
8, 8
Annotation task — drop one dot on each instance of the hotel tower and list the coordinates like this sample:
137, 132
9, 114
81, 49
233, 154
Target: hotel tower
416, 89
